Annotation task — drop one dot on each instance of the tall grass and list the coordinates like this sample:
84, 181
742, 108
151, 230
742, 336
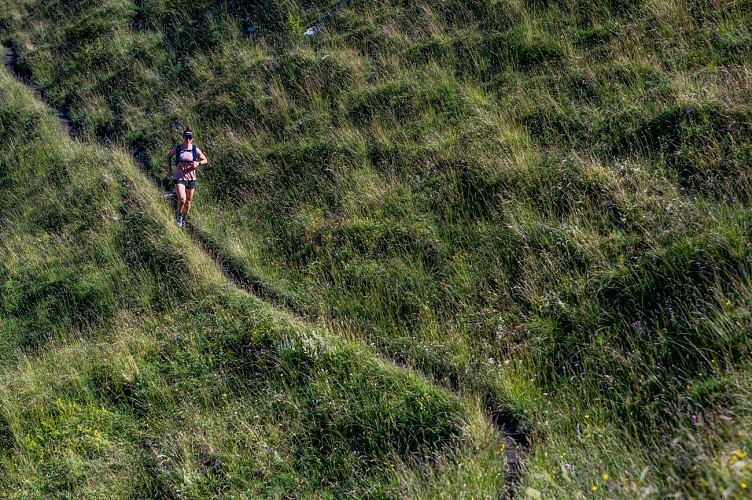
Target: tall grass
544, 205
132, 368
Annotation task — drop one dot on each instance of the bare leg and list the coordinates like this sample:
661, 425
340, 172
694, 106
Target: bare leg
180, 189
187, 204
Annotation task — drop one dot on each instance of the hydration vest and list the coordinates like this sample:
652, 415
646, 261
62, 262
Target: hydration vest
180, 152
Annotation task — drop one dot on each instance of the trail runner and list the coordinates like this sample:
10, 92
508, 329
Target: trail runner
187, 159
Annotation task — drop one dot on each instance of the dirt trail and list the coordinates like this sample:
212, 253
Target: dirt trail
516, 442
251, 284
10, 59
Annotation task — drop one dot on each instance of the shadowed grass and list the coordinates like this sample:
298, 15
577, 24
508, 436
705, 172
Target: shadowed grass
541, 204
144, 373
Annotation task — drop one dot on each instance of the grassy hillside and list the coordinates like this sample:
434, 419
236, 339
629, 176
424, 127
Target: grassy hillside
131, 368
543, 205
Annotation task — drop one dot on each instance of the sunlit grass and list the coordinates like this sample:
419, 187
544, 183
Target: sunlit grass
132, 368
541, 205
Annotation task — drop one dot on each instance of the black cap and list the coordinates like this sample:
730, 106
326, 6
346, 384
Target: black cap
187, 133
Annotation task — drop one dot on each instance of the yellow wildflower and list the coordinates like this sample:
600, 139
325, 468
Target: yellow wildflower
594, 488
605, 477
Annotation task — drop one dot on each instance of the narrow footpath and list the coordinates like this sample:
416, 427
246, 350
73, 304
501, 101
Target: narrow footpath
516, 442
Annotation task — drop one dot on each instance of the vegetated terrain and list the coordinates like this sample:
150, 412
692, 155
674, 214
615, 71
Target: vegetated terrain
542, 205
131, 368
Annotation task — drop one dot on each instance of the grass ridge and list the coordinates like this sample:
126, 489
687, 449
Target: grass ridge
132, 389
542, 204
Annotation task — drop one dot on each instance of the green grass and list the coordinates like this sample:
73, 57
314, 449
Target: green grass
542, 205
132, 368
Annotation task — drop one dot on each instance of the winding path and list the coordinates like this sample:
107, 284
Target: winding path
10, 59
516, 442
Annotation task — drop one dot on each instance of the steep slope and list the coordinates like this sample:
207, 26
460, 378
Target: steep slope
541, 204
131, 367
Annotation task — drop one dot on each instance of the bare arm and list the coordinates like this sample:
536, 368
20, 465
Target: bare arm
169, 163
201, 160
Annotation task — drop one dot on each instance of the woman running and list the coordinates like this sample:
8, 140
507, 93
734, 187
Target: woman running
187, 158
